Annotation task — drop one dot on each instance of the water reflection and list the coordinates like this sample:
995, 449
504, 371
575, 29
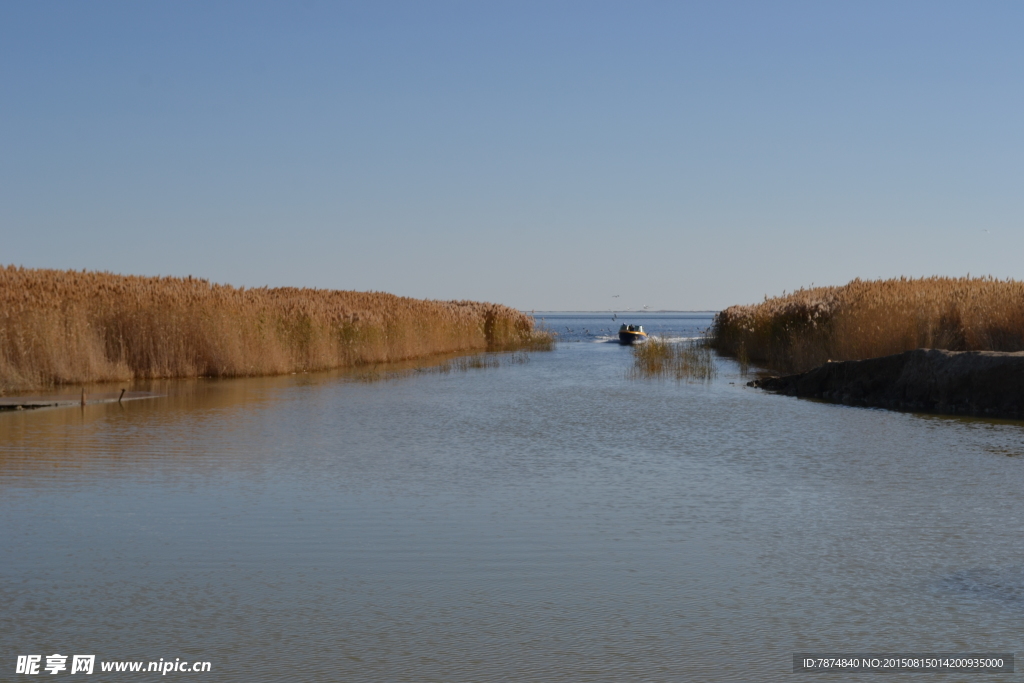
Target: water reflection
51, 441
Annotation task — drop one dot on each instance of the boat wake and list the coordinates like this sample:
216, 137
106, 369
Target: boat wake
676, 340
605, 339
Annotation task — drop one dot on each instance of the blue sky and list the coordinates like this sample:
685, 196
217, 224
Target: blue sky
544, 155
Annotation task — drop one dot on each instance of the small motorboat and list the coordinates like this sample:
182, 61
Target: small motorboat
629, 334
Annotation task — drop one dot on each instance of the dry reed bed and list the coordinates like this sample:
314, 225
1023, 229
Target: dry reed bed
68, 327
870, 318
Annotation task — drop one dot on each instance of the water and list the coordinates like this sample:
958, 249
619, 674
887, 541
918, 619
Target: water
604, 327
542, 521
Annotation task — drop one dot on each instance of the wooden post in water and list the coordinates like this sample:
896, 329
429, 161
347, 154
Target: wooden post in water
83, 397
121, 396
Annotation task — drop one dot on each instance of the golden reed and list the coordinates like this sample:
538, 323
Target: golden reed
69, 327
869, 318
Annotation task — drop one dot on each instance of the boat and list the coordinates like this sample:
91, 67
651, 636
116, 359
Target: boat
629, 334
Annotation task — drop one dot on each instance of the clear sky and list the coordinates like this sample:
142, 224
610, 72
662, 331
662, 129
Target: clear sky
546, 155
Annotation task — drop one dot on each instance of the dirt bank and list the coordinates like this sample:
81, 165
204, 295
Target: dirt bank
984, 383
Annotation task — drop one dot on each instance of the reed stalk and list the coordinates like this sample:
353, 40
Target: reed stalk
690, 360
76, 327
870, 318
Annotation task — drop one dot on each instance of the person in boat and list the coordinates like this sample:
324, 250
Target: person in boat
623, 328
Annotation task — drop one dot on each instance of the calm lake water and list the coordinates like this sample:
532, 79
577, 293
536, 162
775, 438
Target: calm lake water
549, 520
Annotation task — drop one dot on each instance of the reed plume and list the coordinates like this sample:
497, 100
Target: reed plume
869, 318
72, 327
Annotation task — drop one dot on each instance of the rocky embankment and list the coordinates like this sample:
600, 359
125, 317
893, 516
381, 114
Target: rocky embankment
985, 383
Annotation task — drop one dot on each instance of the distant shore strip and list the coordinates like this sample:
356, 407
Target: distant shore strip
76, 327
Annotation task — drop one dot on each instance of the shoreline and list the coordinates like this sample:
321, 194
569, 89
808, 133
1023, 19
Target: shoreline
36, 401
975, 383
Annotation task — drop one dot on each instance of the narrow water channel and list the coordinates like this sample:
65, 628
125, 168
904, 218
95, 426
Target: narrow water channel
548, 520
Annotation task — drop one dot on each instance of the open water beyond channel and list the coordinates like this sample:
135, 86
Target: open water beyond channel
547, 520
